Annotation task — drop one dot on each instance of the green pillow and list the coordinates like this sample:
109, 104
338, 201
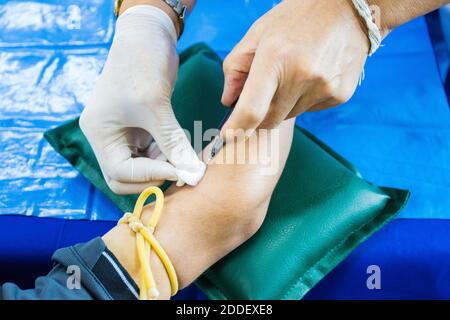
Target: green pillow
320, 210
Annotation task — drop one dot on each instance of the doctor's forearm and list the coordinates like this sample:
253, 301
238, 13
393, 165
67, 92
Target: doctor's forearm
396, 13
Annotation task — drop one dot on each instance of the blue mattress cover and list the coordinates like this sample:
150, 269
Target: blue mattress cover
396, 130
413, 256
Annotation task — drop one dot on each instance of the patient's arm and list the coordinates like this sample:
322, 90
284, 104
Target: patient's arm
201, 225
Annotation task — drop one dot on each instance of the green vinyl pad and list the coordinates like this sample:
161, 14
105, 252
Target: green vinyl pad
320, 210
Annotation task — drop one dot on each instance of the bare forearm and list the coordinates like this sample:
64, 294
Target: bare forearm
395, 13
201, 225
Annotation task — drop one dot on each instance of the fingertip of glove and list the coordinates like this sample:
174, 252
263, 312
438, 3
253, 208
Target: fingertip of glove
191, 177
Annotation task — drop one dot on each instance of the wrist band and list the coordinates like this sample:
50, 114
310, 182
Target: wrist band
176, 5
145, 241
373, 31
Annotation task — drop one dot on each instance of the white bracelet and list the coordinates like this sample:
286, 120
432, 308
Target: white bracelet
374, 32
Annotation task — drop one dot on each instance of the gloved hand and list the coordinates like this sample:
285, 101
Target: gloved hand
128, 119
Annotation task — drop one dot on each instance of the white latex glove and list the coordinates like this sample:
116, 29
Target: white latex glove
128, 119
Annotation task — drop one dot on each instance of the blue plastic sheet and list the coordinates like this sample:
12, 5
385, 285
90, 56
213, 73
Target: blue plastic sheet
396, 129
51, 52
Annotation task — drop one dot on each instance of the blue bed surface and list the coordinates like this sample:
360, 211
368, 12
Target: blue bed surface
413, 256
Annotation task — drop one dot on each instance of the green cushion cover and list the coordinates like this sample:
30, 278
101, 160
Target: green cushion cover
320, 210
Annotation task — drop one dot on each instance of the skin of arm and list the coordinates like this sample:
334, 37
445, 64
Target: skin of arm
201, 225
397, 13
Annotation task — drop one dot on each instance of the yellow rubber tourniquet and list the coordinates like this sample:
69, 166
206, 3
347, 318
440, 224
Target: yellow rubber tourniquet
145, 241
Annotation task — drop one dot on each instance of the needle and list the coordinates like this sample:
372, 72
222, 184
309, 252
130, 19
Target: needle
218, 141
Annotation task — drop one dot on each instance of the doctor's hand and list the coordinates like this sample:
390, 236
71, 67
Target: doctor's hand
300, 56
128, 119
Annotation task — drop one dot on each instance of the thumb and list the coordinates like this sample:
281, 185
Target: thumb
126, 174
174, 144
236, 67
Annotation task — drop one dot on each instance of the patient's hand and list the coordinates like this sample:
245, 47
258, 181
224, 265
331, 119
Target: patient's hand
201, 225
